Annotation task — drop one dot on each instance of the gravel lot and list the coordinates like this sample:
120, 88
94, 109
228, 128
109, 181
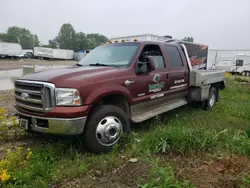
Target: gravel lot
6, 64
7, 96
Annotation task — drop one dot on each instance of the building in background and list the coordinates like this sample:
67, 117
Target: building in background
149, 37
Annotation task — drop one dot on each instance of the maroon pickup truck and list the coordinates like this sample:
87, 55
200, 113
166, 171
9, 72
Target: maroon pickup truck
114, 85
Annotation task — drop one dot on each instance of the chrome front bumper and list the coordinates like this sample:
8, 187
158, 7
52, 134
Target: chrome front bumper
57, 126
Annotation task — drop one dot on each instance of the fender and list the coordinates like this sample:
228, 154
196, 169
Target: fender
223, 85
106, 90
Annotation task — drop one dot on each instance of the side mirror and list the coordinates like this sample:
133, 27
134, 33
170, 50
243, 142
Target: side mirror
145, 64
151, 63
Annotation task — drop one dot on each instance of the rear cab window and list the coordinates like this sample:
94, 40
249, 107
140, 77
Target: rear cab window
175, 60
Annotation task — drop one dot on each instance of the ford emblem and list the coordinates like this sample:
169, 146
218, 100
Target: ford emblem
24, 95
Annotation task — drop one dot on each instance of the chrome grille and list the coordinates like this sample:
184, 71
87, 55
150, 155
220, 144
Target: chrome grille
34, 96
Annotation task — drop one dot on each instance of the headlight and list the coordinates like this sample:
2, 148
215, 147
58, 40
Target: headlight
67, 97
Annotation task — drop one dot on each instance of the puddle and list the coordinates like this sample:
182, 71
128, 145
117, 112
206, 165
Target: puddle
7, 77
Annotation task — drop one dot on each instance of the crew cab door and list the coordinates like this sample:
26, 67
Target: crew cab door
149, 86
178, 74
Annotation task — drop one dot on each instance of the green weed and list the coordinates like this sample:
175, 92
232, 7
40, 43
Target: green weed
240, 79
224, 128
9, 127
104, 162
164, 177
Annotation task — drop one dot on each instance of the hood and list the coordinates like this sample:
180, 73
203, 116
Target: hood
72, 74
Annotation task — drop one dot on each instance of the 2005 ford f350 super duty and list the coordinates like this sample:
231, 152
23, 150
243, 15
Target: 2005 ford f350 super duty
114, 85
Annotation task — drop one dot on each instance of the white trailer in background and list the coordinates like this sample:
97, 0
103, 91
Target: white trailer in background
224, 63
51, 53
239, 64
8, 49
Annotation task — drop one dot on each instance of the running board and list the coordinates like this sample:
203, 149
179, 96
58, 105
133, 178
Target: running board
164, 107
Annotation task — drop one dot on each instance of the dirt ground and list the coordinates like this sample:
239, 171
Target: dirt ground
128, 175
202, 169
208, 171
6, 64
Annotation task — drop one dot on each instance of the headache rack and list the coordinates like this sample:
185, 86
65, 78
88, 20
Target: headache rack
34, 96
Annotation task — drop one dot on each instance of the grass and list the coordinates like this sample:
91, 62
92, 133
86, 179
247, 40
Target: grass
223, 129
190, 128
164, 177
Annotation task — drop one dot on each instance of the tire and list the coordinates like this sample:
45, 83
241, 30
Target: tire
243, 73
212, 98
105, 122
247, 73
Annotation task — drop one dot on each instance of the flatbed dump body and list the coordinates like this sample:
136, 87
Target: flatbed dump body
200, 78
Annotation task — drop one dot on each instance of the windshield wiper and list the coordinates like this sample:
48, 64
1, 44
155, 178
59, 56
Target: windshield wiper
99, 64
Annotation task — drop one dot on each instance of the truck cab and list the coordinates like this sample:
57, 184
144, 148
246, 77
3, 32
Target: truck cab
114, 85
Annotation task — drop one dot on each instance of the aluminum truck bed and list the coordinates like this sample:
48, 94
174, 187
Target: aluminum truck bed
205, 77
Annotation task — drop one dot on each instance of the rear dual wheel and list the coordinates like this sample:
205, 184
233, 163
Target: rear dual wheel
212, 98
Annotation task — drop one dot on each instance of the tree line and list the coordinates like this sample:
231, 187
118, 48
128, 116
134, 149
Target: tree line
188, 39
67, 38
20, 35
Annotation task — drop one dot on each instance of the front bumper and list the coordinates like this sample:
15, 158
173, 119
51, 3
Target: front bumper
57, 126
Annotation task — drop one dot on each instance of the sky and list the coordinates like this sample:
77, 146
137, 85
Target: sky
221, 24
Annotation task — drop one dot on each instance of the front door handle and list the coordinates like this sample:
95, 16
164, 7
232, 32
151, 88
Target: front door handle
128, 82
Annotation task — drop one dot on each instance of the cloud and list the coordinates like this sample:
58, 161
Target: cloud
221, 24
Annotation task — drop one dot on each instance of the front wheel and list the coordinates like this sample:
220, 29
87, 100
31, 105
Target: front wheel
104, 128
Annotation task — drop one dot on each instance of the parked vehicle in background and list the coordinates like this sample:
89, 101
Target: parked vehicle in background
50, 53
10, 50
113, 85
239, 64
80, 54
27, 53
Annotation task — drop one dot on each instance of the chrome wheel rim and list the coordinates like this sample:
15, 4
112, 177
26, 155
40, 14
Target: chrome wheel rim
108, 131
212, 99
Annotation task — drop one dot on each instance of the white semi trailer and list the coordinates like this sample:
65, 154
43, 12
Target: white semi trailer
42, 52
8, 49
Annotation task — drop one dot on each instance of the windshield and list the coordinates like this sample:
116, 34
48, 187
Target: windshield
110, 55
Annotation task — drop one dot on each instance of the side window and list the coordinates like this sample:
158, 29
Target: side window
174, 56
155, 51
